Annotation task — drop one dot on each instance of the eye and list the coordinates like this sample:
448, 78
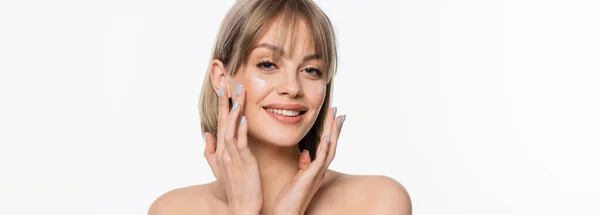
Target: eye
314, 72
266, 65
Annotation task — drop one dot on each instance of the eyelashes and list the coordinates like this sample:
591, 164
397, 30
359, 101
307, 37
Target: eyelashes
269, 66
266, 65
314, 71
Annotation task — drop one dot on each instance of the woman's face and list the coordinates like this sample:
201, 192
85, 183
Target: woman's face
283, 97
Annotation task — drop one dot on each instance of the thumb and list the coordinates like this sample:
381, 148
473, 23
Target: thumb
304, 160
209, 153
210, 146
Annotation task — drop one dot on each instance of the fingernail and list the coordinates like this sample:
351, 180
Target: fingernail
339, 121
334, 111
344, 119
239, 89
220, 92
204, 136
328, 138
243, 120
235, 106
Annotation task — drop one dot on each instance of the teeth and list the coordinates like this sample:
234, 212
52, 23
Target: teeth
284, 112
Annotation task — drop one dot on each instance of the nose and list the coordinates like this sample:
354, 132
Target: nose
290, 84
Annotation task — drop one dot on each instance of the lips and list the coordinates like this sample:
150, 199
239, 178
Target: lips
292, 107
286, 113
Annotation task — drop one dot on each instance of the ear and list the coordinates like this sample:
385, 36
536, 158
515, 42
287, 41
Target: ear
218, 75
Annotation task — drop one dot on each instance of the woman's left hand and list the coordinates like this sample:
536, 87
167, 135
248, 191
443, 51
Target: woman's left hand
294, 198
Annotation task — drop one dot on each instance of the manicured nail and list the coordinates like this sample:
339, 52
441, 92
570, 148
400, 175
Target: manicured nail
334, 111
339, 121
239, 89
235, 106
220, 92
243, 120
328, 138
344, 119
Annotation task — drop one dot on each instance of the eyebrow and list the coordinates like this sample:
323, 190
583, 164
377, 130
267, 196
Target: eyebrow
276, 49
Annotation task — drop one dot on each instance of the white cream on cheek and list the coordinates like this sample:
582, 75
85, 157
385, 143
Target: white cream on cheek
259, 82
321, 89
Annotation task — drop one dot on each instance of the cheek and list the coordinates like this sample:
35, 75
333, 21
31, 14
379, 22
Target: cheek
318, 90
321, 90
258, 83
315, 93
256, 88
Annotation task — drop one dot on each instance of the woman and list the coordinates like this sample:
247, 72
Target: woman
269, 131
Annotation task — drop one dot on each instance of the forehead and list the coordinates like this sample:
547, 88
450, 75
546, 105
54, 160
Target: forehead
293, 38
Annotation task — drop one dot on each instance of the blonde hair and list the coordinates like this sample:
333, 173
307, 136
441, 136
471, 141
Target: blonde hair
239, 32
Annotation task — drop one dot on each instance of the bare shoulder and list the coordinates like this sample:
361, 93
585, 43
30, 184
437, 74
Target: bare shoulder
366, 194
378, 194
192, 200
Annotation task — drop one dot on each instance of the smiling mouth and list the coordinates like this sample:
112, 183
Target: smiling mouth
288, 113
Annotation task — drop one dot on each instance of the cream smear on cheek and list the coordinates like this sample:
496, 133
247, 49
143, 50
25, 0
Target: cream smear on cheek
321, 89
259, 82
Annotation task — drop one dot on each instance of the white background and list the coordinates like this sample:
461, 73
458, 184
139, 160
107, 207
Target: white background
476, 107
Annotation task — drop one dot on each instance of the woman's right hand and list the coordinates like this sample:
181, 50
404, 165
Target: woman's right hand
230, 159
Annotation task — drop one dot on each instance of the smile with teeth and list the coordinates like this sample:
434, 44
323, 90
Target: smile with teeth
284, 112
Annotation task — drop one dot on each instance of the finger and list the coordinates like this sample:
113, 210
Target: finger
307, 176
304, 160
232, 126
328, 120
223, 113
242, 131
335, 133
326, 130
317, 165
209, 153
209, 148
242, 142
226, 160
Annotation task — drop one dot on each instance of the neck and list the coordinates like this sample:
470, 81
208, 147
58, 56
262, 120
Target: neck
278, 166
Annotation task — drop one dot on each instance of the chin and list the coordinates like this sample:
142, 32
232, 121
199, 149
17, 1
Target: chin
282, 139
278, 135
284, 134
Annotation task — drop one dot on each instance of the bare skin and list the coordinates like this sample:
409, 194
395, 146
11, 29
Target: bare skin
255, 157
339, 194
